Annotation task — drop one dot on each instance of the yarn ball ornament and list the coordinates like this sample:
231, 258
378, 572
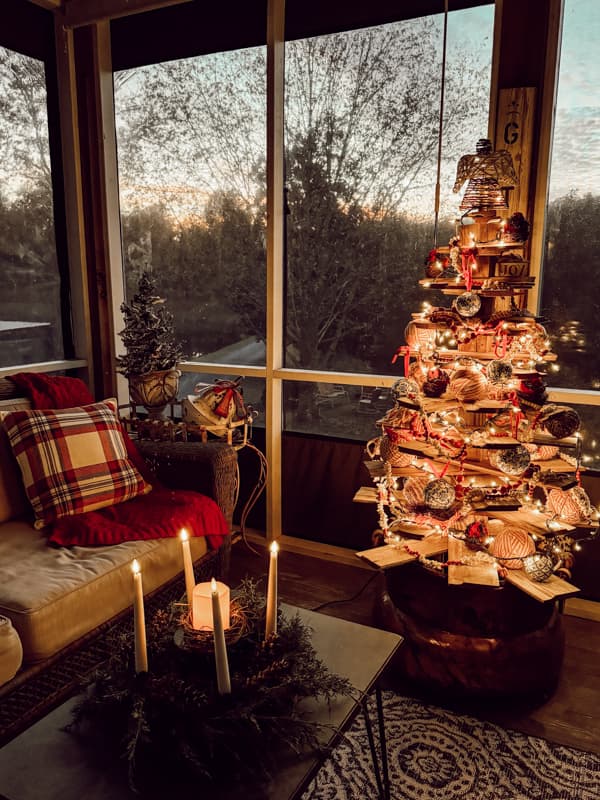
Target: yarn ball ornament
572, 506
439, 494
559, 421
499, 372
541, 452
402, 424
420, 337
418, 373
512, 461
511, 546
406, 389
389, 452
414, 490
468, 384
436, 383
467, 304
538, 566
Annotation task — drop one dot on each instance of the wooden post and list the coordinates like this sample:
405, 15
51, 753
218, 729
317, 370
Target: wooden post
514, 132
275, 266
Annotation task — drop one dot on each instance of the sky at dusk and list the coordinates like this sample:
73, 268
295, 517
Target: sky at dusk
576, 147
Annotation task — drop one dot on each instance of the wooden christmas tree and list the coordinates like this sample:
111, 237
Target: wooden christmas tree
476, 474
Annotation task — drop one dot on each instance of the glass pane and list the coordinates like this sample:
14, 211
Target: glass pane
362, 121
30, 311
570, 297
330, 409
590, 436
191, 151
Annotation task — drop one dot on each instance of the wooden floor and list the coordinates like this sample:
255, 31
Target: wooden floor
571, 716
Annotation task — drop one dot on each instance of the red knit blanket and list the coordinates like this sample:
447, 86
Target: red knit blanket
160, 514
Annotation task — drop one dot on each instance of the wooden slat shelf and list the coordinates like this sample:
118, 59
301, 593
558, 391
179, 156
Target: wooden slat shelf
391, 556
548, 590
480, 574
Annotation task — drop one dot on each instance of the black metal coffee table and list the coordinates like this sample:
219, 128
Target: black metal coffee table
45, 763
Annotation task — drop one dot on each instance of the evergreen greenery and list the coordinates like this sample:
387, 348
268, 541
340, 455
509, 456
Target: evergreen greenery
149, 334
172, 728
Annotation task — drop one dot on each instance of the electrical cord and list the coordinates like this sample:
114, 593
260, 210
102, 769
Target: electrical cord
348, 599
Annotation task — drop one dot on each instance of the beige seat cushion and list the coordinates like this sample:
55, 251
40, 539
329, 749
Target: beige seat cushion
54, 596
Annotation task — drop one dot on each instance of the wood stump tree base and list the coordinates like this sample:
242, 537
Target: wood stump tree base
471, 640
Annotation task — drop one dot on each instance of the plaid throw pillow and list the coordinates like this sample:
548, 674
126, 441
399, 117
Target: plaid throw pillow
72, 460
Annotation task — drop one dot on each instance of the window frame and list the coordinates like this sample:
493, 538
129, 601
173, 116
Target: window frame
29, 30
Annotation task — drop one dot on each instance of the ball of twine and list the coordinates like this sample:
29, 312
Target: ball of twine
542, 452
420, 336
188, 638
468, 384
571, 506
511, 546
414, 490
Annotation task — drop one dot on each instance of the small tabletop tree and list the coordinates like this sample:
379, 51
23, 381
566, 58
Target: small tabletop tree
152, 349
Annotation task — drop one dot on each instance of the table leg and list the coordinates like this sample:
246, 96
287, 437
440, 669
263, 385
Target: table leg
383, 743
369, 729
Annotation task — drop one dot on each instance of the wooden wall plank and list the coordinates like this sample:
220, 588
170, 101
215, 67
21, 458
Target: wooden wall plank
514, 132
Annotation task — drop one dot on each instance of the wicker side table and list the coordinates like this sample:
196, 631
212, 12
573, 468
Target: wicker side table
11, 651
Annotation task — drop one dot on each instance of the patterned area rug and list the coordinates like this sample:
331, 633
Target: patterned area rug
440, 755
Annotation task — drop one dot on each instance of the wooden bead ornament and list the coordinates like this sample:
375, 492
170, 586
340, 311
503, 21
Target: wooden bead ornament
511, 546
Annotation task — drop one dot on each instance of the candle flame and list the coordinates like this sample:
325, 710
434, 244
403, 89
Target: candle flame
135, 567
274, 548
213, 585
183, 535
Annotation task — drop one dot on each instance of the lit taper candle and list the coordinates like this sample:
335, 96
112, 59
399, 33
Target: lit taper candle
221, 662
188, 567
271, 622
139, 622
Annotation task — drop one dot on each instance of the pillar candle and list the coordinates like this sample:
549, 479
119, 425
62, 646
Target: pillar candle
139, 623
221, 663
271, 621
202, 616
188, 567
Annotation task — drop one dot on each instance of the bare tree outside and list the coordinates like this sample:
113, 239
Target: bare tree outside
361, 140
30, 321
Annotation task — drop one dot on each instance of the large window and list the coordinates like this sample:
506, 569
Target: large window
570, 297
362, 126
191, 150
30, 306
